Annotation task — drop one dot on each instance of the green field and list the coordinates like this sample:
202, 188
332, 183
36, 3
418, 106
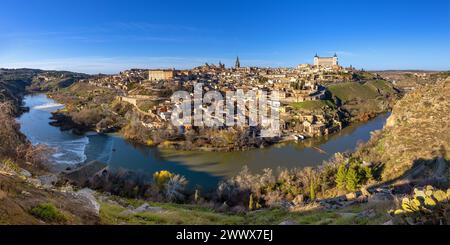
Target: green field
369, 90
314, 105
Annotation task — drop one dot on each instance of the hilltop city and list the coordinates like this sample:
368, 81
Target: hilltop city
306, 111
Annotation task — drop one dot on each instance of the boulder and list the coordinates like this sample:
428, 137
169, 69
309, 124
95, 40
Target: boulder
25, 173
34, 182
25, 193
88, 196
288, 222
147, 208
80, 176
298, 200
48, 180
350, 196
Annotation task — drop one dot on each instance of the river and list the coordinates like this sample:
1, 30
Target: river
200, 168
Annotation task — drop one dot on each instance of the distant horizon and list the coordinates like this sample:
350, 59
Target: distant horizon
108, 37
145, 68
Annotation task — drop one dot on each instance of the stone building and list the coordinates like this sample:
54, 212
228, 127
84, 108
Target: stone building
326, 61
156, 75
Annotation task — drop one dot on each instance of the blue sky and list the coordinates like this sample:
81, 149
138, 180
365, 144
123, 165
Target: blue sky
109, 36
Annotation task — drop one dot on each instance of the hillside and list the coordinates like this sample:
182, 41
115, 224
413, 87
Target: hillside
364, 100
416, 134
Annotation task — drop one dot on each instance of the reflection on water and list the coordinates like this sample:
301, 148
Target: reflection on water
288, 155
68, 148
200, 168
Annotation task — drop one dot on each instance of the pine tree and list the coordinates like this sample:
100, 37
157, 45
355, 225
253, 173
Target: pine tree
352, 180
341, 177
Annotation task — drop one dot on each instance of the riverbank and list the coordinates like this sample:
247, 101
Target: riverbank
90, 108
199, 167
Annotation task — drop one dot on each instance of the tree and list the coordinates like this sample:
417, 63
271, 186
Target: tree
352, 180
251, 204
312, 191
341, 177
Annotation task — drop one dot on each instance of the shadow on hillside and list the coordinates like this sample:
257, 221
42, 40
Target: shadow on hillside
423, 172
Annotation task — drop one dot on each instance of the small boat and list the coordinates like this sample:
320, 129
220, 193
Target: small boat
298, 137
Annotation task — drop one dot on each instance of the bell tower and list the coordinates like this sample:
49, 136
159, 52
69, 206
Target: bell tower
238, 63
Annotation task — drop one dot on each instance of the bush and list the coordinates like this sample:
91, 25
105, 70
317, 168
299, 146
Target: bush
9, 165
351, 175
161, 178
175, 188
47, 212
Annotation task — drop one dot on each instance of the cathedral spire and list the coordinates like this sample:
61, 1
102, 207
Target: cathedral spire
238, 63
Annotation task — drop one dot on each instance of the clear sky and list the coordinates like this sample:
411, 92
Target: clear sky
109, 36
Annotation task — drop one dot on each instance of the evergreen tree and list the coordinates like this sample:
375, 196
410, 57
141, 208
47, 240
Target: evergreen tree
352, 180
341, 177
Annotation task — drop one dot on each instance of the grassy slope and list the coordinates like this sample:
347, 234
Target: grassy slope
112, 213
363, 101
18, 198
313, 105
367, 91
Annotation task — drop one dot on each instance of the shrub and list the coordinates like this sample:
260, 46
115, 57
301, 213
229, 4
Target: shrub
47, 212
350, 176
161, 178
174, 187
251, 205
9, 165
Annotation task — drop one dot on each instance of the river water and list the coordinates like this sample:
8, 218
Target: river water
200, 168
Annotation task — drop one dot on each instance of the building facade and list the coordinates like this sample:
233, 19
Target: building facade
326, 61
156, 75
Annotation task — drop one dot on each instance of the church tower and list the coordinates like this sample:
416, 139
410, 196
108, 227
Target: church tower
316, 60
238, 63
335, 60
